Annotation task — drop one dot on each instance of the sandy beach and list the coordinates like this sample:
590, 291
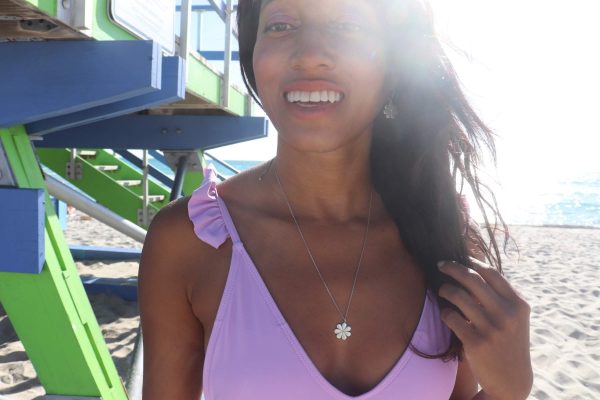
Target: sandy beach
556, 269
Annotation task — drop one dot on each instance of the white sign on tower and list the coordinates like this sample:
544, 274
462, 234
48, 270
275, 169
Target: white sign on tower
148, 19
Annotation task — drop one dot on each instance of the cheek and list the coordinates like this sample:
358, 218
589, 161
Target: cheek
368, 59
369, 77
266, 64
258, 64
368, 51
267, 59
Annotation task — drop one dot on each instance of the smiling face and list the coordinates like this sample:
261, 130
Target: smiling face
320, 70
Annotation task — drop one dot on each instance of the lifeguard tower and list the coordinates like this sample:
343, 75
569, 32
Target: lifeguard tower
82, 84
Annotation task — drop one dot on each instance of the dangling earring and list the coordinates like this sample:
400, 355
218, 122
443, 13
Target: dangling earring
389, 110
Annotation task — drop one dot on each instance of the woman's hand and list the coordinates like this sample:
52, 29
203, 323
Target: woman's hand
494, 330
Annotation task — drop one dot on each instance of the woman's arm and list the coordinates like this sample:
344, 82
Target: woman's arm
173, 337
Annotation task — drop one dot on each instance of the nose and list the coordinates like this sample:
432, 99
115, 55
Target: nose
313, 50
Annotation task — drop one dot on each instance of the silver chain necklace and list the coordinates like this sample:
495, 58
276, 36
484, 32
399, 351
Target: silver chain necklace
343, 329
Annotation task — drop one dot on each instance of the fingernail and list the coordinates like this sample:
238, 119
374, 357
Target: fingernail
440, 264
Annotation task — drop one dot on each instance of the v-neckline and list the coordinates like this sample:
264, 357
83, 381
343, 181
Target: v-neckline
293, 339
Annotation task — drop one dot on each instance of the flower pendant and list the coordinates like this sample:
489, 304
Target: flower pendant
342, 331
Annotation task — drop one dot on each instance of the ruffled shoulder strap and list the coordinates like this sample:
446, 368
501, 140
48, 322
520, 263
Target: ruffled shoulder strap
207, 211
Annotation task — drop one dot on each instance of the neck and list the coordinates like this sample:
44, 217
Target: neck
333, 186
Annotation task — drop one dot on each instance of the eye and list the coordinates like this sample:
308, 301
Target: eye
278, 27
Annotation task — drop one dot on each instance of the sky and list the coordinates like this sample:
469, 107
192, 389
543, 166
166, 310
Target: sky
532, 71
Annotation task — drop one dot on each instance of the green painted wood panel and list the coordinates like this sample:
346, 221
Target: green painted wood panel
50, 311
102, 186
103, 28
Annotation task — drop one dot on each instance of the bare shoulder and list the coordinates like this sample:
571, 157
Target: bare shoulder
172, 251
172, 245
172, 228
243, 191
171, 221
173, 260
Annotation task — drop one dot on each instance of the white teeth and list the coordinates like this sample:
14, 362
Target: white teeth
314, 97
334, 96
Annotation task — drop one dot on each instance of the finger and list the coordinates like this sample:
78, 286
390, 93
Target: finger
465, 302
493, 277
459, 326
475, 284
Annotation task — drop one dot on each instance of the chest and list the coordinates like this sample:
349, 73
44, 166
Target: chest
386, 298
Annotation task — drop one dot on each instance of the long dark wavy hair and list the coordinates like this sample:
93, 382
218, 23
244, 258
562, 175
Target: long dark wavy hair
421, 159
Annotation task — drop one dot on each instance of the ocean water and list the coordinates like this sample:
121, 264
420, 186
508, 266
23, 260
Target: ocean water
240, 165
572, 200
564, 201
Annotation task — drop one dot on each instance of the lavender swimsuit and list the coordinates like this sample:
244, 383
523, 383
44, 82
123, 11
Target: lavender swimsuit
253, 354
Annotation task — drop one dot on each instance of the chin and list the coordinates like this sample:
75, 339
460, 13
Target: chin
320, 141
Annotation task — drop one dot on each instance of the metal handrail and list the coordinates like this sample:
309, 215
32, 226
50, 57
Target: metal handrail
80, 201
225, 11
227, 55
184, 33
222, 14
223, 163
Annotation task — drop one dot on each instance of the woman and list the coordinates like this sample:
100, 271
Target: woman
342, 268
